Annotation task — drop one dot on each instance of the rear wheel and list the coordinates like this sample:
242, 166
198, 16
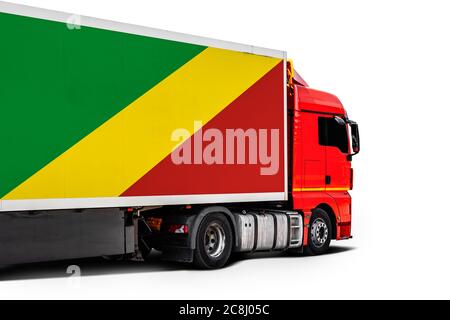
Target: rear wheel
214, 242
319, 235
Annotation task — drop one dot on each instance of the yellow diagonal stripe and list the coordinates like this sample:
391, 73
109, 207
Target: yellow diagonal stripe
114, 156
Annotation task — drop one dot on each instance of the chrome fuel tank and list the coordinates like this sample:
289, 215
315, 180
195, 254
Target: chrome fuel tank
268, 230
245, 227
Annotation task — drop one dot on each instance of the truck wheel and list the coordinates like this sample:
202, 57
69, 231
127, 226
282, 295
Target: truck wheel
214, 242
319, 236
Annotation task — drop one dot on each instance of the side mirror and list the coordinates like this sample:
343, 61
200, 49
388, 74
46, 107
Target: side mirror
355, 137
339, 120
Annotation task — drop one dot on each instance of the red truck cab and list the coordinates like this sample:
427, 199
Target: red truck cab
323, 141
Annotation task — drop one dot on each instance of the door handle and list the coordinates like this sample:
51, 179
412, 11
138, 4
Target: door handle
327, 179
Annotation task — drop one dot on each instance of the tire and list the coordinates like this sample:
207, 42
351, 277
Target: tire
319, 233
214, 242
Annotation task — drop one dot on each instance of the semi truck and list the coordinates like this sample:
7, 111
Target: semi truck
118, 139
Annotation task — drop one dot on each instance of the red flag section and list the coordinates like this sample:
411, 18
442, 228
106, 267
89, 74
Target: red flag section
255, 109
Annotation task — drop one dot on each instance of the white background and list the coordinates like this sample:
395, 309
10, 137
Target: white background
388, 61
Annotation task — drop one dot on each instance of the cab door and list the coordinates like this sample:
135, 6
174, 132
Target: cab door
309, 155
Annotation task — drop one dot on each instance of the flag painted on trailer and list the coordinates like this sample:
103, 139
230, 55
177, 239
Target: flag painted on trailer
89, 113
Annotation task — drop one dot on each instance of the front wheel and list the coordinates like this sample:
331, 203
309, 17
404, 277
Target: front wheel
319, 236
214, 242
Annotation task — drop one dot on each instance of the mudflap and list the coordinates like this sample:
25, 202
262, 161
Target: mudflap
178, 254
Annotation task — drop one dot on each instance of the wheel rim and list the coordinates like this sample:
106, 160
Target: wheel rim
319, 232
214, 240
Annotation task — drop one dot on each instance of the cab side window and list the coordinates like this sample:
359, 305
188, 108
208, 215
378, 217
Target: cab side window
333, 134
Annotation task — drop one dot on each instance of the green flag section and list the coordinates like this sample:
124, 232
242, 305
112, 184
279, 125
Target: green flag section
57, 85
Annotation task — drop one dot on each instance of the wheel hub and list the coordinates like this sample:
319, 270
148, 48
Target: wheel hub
214, 241
319, 232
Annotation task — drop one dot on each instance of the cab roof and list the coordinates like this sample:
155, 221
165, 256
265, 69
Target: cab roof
318, 101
